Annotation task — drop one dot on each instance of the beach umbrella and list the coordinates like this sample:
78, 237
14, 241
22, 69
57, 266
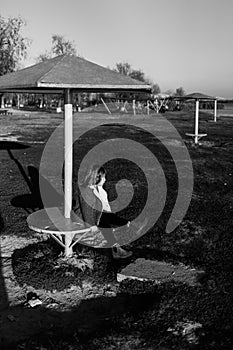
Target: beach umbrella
66, 74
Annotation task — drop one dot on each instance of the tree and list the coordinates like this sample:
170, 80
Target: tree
43, 57
155, 89
180, 92
13, 45
126, 69
123, 68
138, 75
60, 46
169, 92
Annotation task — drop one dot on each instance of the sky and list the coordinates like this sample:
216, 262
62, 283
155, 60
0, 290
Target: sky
176, 43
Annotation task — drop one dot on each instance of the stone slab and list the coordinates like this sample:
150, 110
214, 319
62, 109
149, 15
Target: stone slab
159, 272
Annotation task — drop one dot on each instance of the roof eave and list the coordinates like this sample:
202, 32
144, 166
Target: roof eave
97, 87
59, 88
32, 91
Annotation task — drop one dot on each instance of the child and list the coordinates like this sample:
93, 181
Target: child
95, 209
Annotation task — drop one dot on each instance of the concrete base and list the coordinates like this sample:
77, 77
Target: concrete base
160, 272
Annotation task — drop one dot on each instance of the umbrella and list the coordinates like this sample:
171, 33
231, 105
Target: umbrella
66, 74
197, 96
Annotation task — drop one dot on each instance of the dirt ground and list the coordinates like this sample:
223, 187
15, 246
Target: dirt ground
87, 308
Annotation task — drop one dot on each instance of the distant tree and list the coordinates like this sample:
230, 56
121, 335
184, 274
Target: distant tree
60, 46
43, 57
138, 75
155, 89
13, 45
169, 92
126, 69
123, 68
180, 92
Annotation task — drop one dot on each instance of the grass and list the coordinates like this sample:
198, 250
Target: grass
203, 240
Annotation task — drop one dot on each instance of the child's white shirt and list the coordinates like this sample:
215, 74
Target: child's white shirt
103, 197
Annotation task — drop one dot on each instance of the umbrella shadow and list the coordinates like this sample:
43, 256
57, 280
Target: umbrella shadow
5, 145
3, 292
10, 145
88, 317
29, 201
32, 201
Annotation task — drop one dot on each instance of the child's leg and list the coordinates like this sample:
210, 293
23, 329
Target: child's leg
111, 220
108, 221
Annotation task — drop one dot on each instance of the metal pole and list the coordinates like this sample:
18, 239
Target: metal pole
196, 121
148, 107
215, 110
157, 106
68, 154
109, 112
134, 107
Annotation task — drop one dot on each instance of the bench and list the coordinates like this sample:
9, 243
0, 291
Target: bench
66, 232
5, 112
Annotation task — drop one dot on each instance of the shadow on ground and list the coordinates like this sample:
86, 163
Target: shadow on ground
3, 293
33, 201
20, 323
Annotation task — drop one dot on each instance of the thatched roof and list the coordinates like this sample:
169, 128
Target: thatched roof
72, 72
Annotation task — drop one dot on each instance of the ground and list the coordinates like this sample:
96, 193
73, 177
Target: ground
86, 308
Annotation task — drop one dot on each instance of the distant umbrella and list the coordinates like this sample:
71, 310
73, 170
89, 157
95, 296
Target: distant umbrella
197, 96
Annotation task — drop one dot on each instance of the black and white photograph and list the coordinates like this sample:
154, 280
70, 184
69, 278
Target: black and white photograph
116, 175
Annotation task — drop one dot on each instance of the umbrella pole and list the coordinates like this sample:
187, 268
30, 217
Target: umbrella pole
196, 122
215, 111
68, 167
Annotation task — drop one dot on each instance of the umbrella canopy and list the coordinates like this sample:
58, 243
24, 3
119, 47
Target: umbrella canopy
199, 96
69, 72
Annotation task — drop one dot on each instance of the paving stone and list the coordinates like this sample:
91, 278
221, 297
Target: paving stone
159, 272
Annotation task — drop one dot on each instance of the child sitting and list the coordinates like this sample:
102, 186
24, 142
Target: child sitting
94, 208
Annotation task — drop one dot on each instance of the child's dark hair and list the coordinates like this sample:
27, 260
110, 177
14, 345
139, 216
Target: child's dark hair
100, 174
94, 175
